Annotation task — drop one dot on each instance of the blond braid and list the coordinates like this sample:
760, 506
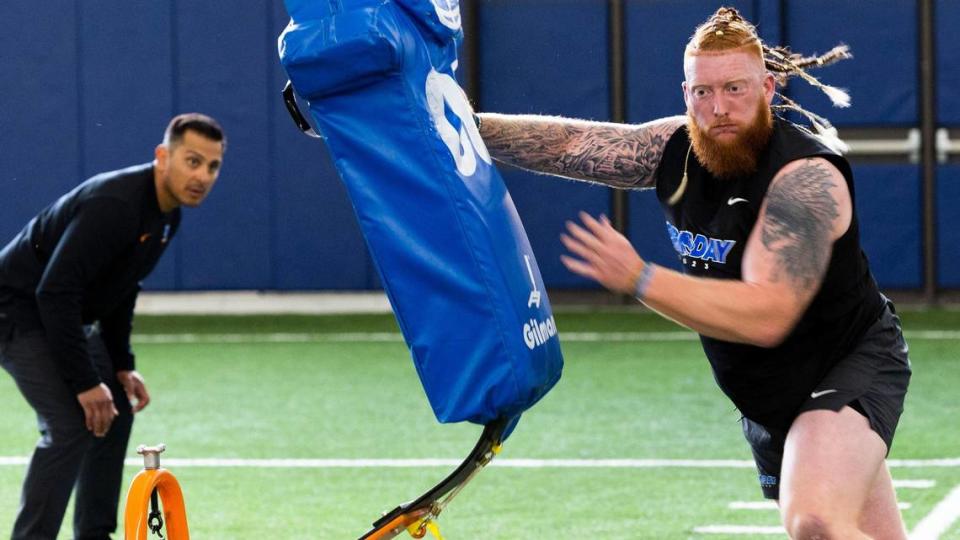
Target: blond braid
726, 30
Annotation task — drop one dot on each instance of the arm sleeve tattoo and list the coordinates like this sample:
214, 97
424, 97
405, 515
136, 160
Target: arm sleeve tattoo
798, 223
617, 155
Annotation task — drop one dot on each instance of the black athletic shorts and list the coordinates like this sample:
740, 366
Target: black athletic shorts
872, 379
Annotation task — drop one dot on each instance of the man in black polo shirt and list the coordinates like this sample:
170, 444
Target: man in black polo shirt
762, 215
68, 285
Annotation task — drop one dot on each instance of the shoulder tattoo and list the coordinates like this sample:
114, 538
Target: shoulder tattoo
799, 219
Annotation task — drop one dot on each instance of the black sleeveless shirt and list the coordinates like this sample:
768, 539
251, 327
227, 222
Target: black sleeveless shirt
709, 228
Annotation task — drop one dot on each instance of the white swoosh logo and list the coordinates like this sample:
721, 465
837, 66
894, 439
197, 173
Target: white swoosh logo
815, 395
734, 200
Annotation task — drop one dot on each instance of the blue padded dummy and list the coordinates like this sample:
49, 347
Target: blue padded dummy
455, 262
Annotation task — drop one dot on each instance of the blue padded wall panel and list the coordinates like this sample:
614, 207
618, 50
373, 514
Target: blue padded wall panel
881, 77
948, 233
656, 35
40, 115
888, 206
221, 65
947, 18
316, 241
125, 81
546, 57
126, 102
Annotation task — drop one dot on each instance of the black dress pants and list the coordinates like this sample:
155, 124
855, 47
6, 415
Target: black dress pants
67, 456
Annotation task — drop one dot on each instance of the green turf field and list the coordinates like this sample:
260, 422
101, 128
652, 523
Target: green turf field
634, 388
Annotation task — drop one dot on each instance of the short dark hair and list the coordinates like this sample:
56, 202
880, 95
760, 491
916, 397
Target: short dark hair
200, 123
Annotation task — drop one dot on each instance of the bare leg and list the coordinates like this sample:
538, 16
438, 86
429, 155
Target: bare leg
834, 471
880, 517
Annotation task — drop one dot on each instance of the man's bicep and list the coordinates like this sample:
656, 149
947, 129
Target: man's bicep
653, 138
805, 210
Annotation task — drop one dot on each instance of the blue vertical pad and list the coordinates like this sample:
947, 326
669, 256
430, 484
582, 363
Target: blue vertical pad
442, 229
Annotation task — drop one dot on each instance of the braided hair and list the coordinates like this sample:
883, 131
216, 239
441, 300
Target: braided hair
726, 30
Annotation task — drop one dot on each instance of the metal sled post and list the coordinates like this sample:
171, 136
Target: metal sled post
417, 516
138, 517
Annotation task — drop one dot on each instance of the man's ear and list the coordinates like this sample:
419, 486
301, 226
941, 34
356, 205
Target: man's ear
686, 100
161, 155
769, 87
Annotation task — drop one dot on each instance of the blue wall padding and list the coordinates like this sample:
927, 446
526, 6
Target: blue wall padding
947, 16
948, 231
656, 35
89, 87
523, 64
882, 76
888, 202
40, 133
450, 248
207, 238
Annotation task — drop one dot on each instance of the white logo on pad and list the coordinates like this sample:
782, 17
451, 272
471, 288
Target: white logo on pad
534, 299
465, 143
537, 333
448, 11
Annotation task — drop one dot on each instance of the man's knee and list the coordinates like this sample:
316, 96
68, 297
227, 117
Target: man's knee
807, 526
64, 431
812, 525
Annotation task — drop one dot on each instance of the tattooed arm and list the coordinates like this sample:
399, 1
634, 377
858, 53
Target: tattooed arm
806, 209
617, 155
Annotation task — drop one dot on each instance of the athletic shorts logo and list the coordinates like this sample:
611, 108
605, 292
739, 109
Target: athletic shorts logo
734, 200
815, 395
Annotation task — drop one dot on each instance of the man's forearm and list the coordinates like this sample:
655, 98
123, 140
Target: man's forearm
617, 155
731, 310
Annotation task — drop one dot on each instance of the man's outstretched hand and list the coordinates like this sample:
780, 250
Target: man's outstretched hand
602, 254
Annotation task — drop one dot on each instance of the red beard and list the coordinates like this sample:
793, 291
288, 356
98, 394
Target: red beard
737, 157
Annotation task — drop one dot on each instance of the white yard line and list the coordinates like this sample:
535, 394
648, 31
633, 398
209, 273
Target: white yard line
919, 463
930, 528
771, 505
939, 520
360, 337
335, 463
740, 529
914, 484
753, 505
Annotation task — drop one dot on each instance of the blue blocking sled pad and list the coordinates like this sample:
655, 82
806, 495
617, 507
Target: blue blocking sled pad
452, 254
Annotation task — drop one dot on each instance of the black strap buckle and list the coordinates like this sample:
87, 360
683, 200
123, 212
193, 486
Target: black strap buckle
290, 100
